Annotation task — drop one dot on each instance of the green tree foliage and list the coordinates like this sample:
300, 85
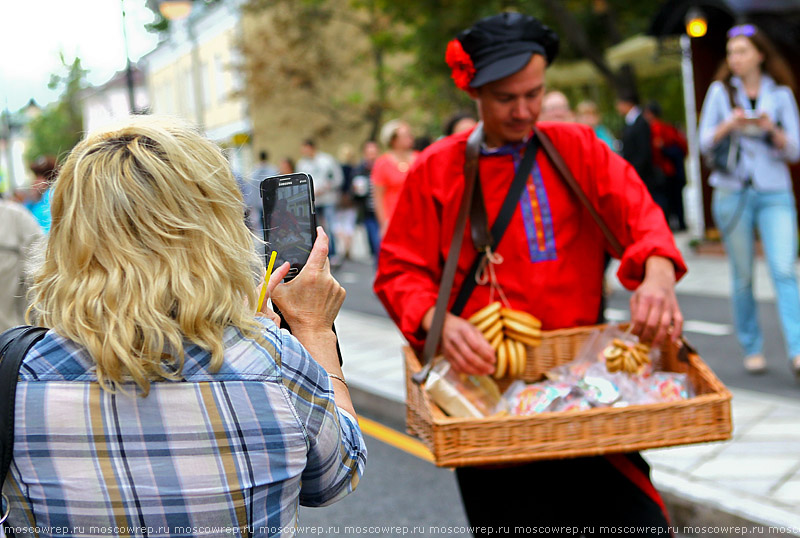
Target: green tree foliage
59, 127
314, 46
586, 28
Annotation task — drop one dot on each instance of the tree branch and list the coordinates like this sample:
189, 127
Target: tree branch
576, 35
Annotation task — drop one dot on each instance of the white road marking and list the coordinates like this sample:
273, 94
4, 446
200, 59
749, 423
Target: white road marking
690, 325
706, 327
615, 314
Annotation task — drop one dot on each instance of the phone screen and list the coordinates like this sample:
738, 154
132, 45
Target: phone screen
289, 219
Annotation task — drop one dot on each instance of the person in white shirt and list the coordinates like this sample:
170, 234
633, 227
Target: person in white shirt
20, 234
327, 175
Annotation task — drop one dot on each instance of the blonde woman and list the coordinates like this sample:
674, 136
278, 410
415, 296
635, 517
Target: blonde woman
390, 169
159, 399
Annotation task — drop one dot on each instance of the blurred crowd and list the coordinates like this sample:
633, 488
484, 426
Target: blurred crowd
355, 188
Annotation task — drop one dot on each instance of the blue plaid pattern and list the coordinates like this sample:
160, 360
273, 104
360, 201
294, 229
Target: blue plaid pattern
216, 454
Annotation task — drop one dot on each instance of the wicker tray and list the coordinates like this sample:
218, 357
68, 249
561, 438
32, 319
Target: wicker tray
457, 442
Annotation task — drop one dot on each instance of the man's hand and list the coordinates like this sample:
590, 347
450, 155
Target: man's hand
655, 313
464, 345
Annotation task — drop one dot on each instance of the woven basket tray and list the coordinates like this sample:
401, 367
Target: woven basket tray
457, 442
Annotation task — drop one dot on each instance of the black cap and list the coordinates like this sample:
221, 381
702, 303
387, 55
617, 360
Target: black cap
503, 44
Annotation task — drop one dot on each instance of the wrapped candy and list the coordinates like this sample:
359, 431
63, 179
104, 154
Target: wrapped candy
536, 397
667, 386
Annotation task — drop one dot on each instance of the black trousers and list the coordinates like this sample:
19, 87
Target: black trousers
675, 203
576, 497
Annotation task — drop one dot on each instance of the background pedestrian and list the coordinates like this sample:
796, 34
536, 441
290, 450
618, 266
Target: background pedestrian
756, 195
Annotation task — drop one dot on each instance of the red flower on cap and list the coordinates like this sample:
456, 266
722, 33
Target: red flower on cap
461, 67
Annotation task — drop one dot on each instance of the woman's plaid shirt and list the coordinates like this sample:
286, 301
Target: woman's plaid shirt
217, 454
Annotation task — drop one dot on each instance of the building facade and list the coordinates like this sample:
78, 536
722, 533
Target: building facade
192, 74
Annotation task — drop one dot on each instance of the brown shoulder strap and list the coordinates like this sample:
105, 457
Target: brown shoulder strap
448, 274
563, 169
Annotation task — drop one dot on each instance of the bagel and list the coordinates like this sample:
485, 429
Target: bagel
524, 338
521, 317
502, 361
513, 361
496, 341
494, 330
485, 312
522, 356
521, 328
488, 321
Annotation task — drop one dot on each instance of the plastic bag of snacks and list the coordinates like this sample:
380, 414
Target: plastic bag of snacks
610, 347
461, 395
526, 399
599, 377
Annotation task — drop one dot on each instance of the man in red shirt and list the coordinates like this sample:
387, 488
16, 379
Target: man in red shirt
669, 151
552, 266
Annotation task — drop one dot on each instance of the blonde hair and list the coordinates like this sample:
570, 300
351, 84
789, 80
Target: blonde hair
148, 248
389, 131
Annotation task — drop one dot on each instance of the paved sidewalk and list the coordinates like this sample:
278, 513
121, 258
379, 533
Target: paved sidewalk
753, 478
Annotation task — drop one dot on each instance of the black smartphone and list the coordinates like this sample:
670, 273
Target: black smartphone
290, 221
290, 226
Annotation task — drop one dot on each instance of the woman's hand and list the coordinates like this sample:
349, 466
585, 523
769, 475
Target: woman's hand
311, 301
775, 135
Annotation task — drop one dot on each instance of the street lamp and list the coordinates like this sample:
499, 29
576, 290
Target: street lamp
696, 23
177, 10
696, 26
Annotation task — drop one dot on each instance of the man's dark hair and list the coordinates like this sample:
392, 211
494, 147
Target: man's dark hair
309, 142
45, 166
455, 118
655, 108
263, 155
628, 95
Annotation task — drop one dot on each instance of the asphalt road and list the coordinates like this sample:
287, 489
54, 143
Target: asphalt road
709, 315
399, 495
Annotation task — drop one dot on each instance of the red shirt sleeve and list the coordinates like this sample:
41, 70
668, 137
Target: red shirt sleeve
625, 204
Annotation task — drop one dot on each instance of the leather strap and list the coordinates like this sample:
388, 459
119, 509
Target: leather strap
14, 345
479, 225
480, 220
563, 169
448, 274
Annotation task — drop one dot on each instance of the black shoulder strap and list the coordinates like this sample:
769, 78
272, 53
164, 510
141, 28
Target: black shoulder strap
14, 345
500, 223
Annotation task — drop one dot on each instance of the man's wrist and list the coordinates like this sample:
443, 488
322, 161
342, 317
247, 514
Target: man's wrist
663, 269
